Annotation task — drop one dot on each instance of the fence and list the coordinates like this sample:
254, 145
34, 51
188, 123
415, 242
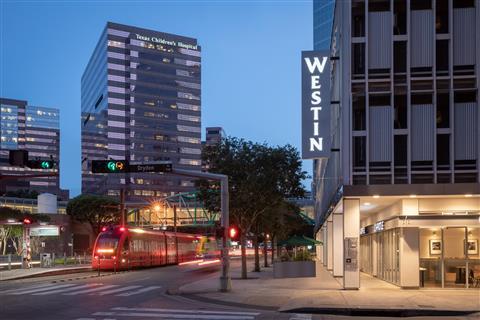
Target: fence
43, 260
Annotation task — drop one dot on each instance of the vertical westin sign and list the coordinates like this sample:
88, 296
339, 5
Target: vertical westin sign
315, 104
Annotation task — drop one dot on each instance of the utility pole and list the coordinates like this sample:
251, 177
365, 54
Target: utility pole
122, 207
225, 280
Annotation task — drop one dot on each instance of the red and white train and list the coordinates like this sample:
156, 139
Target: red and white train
123, 248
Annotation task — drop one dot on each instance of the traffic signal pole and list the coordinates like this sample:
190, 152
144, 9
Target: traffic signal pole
122, 207
225, 280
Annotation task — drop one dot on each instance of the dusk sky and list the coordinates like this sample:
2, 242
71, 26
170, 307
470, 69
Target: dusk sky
250, 61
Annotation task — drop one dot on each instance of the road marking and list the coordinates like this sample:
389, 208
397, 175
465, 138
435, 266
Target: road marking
185, 311
67, 289
28, 288
56, 286
176, 315
115, 290
301, 316
131, 293
90, 290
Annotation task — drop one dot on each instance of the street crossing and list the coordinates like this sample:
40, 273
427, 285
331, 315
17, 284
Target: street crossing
186, 314
71, 289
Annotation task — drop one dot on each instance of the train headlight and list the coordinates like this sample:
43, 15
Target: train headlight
123, 260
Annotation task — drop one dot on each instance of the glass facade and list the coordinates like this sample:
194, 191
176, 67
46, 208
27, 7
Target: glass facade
322, 23
35, 129
141, 102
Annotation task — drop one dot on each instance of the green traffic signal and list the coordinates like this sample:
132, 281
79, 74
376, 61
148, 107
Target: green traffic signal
112, 166
45, 165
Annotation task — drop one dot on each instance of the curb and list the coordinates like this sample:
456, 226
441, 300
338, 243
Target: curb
382, 312
224, 303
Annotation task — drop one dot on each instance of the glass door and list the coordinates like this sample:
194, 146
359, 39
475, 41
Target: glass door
454, 257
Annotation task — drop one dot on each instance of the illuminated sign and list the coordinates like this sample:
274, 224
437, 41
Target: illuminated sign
315, 104
167, 42
44, 231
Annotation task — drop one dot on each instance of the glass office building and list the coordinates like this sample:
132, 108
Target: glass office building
141, 102
37, 130
322, 23
400, 200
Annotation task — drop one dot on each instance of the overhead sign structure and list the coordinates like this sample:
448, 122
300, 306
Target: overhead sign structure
44, 231
122, 166
315, 104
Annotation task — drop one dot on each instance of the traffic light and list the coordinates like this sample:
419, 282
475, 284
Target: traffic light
233, 233
40, 164
18, 157
109, 166
27, 221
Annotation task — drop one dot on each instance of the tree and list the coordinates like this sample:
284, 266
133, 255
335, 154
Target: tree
260, 178
14, 232
97, 211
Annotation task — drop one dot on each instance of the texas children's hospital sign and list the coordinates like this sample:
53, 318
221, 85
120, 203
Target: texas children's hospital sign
315, 104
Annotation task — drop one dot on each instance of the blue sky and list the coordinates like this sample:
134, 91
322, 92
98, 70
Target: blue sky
250, 61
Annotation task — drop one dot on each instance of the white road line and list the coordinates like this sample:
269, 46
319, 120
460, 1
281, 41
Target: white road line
67, 289
90, 290
28, 288
57, 286
185, 311
115, 290
175, 316
131, 293
301, 316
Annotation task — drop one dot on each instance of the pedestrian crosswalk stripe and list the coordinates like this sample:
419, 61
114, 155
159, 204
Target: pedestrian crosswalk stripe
67, 289
90, 290
185, 311
131, 293
115, 290
28, 291
30, 288
176, 314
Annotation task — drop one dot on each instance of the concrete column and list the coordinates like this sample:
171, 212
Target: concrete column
330, 243
351, 231
374, 255
337, 245
319, 247
409, 258
325, 245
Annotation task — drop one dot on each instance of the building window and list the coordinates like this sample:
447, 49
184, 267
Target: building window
400, 150
443, 110
358, 18
441, 16
358, 60
378, 5
400, 56
359, 153
443, 152
421, 4
400, 110
463, 4
399, 17
442, 57
359, 115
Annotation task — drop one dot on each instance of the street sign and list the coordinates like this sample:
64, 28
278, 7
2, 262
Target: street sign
122, 166
154, 167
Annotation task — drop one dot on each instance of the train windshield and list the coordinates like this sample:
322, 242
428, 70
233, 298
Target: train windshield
107, 244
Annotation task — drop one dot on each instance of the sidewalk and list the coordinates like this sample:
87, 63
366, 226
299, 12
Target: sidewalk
41, 272
325, 293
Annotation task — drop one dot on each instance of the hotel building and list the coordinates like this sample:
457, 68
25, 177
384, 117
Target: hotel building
141, 103
399, 197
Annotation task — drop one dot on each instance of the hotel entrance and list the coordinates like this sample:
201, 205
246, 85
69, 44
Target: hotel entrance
449, 257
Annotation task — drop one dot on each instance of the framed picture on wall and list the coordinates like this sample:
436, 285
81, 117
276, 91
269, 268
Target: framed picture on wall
472, 246
435, 247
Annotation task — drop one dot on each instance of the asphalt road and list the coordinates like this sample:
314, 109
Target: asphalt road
135, 295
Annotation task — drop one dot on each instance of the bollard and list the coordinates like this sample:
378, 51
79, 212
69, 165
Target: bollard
9, 261
64, 258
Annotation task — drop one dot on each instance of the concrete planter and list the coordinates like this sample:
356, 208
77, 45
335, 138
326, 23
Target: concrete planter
294, 269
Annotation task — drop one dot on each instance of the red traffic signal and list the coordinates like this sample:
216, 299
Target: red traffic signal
27, 221
233, 233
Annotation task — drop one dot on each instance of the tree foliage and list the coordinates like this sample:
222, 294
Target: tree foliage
260, 178
98, 211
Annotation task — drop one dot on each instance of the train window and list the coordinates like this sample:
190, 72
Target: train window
107, 242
